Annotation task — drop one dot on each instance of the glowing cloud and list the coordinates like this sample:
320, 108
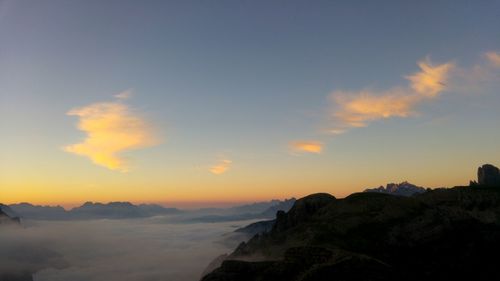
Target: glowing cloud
221, 167
357, 109
493, 58
111, 128
309, 146
430, 80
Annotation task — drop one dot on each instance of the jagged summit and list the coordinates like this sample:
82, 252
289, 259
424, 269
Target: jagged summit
402, 189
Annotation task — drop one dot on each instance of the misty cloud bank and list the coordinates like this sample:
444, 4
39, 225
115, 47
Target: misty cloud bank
126, 250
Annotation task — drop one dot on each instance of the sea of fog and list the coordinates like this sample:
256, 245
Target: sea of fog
146, 249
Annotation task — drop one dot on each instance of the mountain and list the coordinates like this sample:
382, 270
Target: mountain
261, 210
119, 210
257, 227
29, 211
263, 207
285, 205
19, 259
7, 216
157, 210
127, 210
402, 189
487, 175
111, 210
90, 210
442, 234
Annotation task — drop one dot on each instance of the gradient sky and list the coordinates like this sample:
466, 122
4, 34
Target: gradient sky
198, 102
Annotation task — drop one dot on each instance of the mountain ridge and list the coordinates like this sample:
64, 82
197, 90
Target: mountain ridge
443, 233
91, 210
126, 210
402, 189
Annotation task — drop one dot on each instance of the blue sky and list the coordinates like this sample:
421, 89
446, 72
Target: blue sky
238, 81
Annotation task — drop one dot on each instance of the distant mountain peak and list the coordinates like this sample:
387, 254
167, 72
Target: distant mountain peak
7, 215
402, 189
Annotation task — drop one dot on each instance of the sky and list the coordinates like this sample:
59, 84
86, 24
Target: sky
213, 102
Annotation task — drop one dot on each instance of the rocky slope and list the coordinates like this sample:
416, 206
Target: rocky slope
439, 234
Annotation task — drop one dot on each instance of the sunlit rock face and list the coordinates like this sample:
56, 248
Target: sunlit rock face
488, 175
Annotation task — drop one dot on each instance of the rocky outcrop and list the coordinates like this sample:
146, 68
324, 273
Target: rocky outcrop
402, 189
302, 210
488, 175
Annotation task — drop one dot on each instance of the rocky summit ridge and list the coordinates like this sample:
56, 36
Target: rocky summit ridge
439, 234
402, 189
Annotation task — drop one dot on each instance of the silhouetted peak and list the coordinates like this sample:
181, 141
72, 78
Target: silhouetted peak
488, 175
303, 209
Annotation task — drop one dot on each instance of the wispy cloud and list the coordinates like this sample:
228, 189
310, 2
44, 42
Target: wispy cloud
111, 128
478, 78
358, 109
125, 95
493, 58
221, 167
308, 146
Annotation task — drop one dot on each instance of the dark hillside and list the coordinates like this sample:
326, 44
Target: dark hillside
439, 234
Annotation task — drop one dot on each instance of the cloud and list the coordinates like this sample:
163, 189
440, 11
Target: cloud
430, 80
493, 58
111, 128
124, 95
309, 146
221, 167
357, 109
114, 250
